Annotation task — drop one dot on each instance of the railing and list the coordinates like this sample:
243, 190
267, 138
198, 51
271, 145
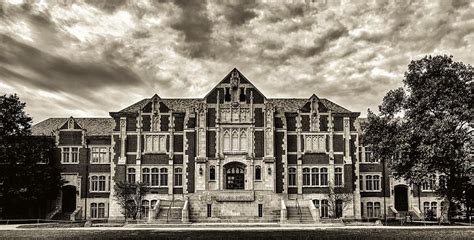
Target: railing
300, 213
51, 214
284, 212
169, 209
77, 214
185, 212
314, 211
154, 212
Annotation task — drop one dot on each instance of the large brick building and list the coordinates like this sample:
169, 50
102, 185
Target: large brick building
232, 155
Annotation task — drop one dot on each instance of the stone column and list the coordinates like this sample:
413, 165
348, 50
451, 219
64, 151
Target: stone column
331, 148
123, 138
201, 159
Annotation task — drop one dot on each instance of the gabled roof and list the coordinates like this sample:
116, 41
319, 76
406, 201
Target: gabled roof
177, 104
246, 80
93, 126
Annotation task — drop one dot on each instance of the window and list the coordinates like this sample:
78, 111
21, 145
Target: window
178, 177
163, 177
155, 177
370, 209
94, 210
442, 181
146, 176
235, 139
324, 208
377, 209
99, 183
361, 182
258, 173
315, 143
369, 156
428, 185
315, 176
316, 203
338, 179
434, 208
260, 210
373, 209
242, 95
101, 210
426, 208
70, 155
362, 209
292, 177
156, 143
209, 210
131, 175
145, 209
212, 173
100, 155
306, 177
372, 183
324, 176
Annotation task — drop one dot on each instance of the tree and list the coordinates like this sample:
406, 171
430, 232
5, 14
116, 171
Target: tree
422, 128
337, 196
129, 196
29, 174
13, 119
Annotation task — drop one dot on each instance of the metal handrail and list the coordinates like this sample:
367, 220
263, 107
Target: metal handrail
300, 213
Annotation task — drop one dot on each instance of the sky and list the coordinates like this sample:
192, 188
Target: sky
88, 58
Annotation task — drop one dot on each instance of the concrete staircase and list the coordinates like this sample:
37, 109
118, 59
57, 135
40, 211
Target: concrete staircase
167, 215
295, 217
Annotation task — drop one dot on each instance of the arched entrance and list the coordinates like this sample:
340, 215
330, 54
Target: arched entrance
69, 198
401, 198
235, 176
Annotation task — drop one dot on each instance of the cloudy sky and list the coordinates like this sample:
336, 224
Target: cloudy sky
87, 58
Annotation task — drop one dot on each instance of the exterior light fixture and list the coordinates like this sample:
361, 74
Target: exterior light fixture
200, 170
269, 171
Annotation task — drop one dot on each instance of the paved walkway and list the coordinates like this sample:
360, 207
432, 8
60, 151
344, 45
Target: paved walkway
230, 227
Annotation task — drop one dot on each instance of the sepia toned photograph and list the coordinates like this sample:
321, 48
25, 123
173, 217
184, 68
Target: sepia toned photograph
236, 119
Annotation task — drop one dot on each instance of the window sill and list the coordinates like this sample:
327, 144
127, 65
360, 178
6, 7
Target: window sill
318, 186
370, 162
428, 191
370, 190
94, 163
99, 191
69, 163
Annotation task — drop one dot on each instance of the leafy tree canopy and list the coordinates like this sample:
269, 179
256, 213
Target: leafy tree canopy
423, 128
13, 119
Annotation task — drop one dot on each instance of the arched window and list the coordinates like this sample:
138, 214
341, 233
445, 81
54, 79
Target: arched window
243, 141
101, 210
235, 141
368, 183
146, 176
370, 209
324, 176
227, 146
131, 175
178, 177
94, 183
306, 177
376, 182
145, 209
163, 177
315, 176
377, 209
426, 208
212, 173
94, 210
102, 183
324, 208
338, 180
154, 177
292, 177
258, 173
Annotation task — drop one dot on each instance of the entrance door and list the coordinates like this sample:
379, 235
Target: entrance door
69, 198
401, 198
235, 177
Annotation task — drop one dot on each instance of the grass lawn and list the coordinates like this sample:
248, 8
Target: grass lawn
335, 233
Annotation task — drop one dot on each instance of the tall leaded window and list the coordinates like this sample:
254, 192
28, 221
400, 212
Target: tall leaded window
163, 177
155, 177
292, 177
243, 141
74, 155
94, 210
258, 173
306, 177
315, 176
377, 209
376, 181
235, 139
324, 176
146, 176
212, 173
98, 183
324, 208
131, 175
434, 208
315, 143
101, 210
338, 177
178, 177
145, 209
66, 153
428, 184
368, 183
227, 144
155, 143
370, 209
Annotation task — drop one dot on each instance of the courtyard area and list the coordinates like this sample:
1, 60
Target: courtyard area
303, 232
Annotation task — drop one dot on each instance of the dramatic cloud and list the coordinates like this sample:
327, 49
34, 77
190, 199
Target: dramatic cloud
89, 57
